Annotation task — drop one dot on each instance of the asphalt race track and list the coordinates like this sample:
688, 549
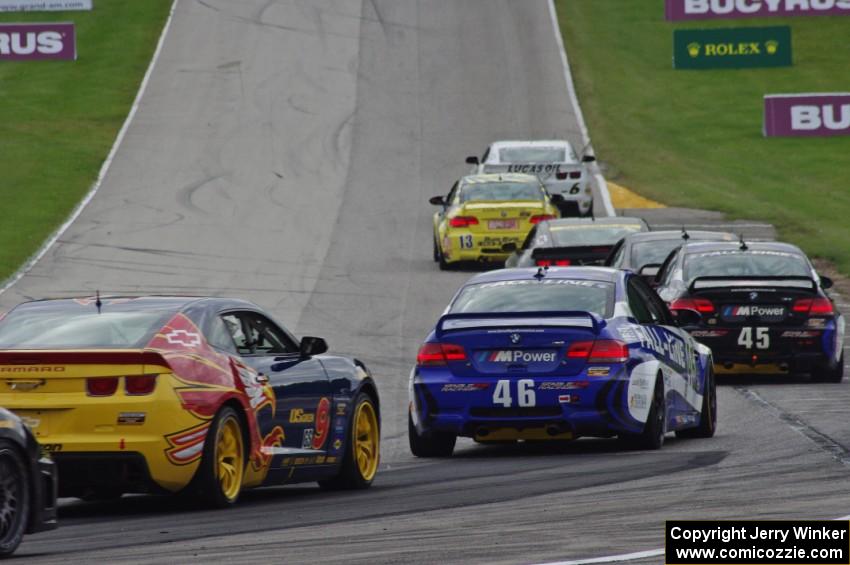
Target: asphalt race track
284, 152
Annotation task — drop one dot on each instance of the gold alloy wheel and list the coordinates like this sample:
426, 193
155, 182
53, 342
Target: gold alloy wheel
229, 458
366, 440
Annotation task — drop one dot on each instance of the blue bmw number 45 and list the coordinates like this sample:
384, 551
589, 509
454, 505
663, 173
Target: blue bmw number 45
557, 354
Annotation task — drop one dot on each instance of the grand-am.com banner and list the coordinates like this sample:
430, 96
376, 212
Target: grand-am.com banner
44, 5
676, 10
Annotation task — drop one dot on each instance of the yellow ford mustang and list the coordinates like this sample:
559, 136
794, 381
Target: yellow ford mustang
161, 394
484, 212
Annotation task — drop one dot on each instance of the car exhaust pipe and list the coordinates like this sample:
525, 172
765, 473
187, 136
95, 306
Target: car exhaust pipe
482, 432
553, 430
727, 365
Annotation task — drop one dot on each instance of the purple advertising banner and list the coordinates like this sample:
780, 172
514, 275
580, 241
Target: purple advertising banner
676, 10
27, 42
807, 115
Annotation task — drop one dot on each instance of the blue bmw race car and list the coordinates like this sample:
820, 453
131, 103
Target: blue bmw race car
555, 354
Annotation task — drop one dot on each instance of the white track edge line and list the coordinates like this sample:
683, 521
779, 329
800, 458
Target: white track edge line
104, 169
585, 136
628, 556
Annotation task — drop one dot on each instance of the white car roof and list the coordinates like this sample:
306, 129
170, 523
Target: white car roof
496, 146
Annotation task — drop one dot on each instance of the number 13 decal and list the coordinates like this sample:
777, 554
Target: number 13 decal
524, 390
466, 242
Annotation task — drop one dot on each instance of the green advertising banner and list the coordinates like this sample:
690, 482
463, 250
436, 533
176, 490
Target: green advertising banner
732, 48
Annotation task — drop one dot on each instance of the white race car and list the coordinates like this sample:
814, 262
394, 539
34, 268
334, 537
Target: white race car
553, 161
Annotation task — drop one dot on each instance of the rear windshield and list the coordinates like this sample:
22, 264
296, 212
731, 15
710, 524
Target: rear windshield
558, 295
495, 191
590, 234
533, 155
42, 328
745, 264
654, 252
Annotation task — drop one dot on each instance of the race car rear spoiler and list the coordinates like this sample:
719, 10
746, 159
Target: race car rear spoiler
508, 320
580, 255
42, 361
801, 283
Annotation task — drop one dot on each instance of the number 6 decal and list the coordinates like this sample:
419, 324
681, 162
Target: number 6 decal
526, 396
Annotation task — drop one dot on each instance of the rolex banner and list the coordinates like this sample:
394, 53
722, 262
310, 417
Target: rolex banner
676, 10
732, 48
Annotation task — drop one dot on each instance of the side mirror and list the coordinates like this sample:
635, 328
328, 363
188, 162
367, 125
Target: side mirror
826, 282
437, 201
556, 198
649, 271
686, 317
472, 160
509, 247
313, 346
588, 159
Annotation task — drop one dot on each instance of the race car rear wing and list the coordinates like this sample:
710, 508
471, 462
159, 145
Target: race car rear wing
799, 283
507, 320
545, 172
580, 255
41, 361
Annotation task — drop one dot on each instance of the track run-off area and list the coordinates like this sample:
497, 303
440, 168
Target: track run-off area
284, 151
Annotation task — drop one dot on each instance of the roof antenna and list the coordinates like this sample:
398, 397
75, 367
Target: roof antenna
541, 272
743, 243
685, 235
97, 301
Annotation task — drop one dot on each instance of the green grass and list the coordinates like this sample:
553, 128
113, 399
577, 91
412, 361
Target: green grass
693, 138
58, 119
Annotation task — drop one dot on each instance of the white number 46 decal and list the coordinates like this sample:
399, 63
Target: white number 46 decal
761, 340
524, 391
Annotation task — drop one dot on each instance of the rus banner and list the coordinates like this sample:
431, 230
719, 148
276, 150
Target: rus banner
44, 5
676, 10
806, 114
22, 42
732, 48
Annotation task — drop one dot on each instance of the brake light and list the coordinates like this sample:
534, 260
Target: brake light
463, 221
137, 385
562, 262
561, 176
101, 386
600, 351
438, 354
541, 218
575, 175
701, 305
813, 306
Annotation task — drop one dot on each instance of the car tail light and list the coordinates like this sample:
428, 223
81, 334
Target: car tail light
541, 218
463, 221
701, 305
437, 354
814, 306
599, 351
137, 385
562, 262
561, 176
101, 386
575, 175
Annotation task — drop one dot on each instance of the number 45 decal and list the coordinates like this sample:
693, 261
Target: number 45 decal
524, 391
760, 341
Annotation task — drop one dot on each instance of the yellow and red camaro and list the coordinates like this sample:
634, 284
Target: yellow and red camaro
163, 394
484, 213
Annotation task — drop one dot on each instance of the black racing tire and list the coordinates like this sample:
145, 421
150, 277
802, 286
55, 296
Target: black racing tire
589, 212
441, 260
436, 252
832, 374
208, 489
352, 474
435, 444
14, 497
707, 425
652, 436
